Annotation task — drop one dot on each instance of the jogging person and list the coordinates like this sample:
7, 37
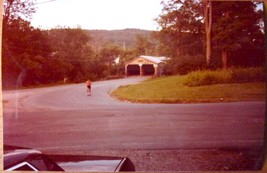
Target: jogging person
88, 84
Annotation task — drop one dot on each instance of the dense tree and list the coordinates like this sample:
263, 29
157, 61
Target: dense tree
236, 27
14, 9
108, 54
17, 40
181, 21
182, 32
232, 30
23, 51
72, 51
32, 56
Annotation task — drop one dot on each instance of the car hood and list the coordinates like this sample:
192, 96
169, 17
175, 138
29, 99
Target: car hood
92, 165
89, 163
69, 163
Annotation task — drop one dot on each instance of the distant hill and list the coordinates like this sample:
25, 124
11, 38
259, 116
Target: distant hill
119, 37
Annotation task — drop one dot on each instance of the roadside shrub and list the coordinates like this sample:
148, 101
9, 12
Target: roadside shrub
232, 75
207, 77
248, 75
185, 64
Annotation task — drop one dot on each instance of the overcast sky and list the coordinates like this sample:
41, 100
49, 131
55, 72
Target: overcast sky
97, 14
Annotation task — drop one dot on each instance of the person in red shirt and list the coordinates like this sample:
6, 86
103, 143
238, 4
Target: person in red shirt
89, 86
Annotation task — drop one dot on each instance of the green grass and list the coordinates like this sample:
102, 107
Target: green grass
173, 89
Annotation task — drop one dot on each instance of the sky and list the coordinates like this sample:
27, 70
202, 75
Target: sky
97, 14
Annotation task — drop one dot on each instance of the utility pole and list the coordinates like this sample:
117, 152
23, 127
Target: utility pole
1, 35
124, 48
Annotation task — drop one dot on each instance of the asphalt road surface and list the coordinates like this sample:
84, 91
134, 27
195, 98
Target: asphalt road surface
157, 137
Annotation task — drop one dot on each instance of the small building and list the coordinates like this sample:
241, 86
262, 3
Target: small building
117, 60
145, 65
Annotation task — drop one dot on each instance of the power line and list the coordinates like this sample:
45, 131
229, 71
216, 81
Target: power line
44, 2
51, 57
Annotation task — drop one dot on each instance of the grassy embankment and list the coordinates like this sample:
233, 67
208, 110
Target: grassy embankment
199, 87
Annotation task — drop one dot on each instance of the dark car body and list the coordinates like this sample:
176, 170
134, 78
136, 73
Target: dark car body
26, 159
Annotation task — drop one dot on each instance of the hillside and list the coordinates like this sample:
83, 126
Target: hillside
119, 37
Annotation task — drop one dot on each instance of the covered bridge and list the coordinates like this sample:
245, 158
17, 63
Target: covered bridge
145, 65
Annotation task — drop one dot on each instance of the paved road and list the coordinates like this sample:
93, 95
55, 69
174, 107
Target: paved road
63, 118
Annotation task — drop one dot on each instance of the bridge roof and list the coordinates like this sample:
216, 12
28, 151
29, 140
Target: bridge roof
155, 59
152, 59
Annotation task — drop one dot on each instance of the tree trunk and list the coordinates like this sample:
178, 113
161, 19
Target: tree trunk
178, 35
224, 58
207, 5
178, 52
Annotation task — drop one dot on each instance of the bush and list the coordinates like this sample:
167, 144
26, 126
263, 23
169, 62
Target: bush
248, 75
184, 64
233, 75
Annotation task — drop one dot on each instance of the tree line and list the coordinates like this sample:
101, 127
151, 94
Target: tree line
211, 34
31, 56
194, 34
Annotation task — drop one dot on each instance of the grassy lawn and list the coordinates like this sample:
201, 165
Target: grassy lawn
174, 90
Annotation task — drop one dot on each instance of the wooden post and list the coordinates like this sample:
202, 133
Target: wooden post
141, 69
126, 69
155, 69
